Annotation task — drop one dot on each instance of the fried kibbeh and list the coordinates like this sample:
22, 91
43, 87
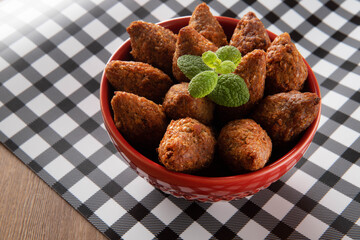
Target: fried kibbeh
141, 121
244, 146
285, 115
252, 69
286, 69
250, 34
152, 44
139, 78
206, 24
189, 42
187, 146
178, 103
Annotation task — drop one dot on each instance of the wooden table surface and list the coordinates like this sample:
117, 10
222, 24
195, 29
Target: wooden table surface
30, 209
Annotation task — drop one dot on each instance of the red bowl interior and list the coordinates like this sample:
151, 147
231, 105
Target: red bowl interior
199, 187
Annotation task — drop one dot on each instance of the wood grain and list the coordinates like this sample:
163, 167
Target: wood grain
30, 209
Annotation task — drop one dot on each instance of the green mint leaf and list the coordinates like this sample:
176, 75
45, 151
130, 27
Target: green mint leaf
230, 91
230, 53
211, 59
202, 84
226, 67
191, 65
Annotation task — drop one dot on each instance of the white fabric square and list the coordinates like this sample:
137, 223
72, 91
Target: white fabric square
356, 114
63, 125
351, 80
141, 2
67, 85
229, 3
352, 175
351, 6
73, 12
253, 229
22, 46
334, 100
323, 158
222, 211
197, 231
311, 5
335, 201
6, 31
312, 227
274, 29
93, 66
138, 231
90, 105
278, 206
40, 104
11, 7
59, 167
185, 3
110, 211
114, 45
323, 119
316, 36
84, 189
301, 181
71, 46
139, 188
292, 18
95, 29
49, 28
119, 12
345, 135
324, 68
355, 34
112, 166
45, 65
88, 145
303, 51
30, 14
35, 146
166, 211
17, 84
11, 125
271, 5
3, 64
343, 51
163, 12
334, 21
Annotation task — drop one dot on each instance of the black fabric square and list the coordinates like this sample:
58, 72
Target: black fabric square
167, 234
329, 179
69, 65
92, 85
320, 52
141, 12
11, 145
97, 11
224, 233
35, 166
72, 28
295, 36
250, 209
59, 188
339, 36
290, 3
111, 234
356, 20
194, 211
207, 1
185, 12
339, 117
47, 46
38, 125
139, 212
86, 167
249, 2
356, 97
282, 230
94, 47
112, 188
342, 224
271, 17
43, 84
332, 5
229, 13
301, 162
90, 125
118, 29
306, 204
313, 20
329, 84
351, 155
20, 65
14, 104
85, 211
66, 105
347, 65
276, 186
320, 138
62, 146
357, 198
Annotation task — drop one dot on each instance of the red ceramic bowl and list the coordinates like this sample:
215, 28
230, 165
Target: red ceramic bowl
194, 187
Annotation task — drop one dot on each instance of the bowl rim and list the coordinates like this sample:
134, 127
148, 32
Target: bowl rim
160, 171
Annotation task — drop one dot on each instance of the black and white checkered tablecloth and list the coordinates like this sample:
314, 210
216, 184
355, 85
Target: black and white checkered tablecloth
52, 54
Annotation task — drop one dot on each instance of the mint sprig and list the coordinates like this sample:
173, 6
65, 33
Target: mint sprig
212, 75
